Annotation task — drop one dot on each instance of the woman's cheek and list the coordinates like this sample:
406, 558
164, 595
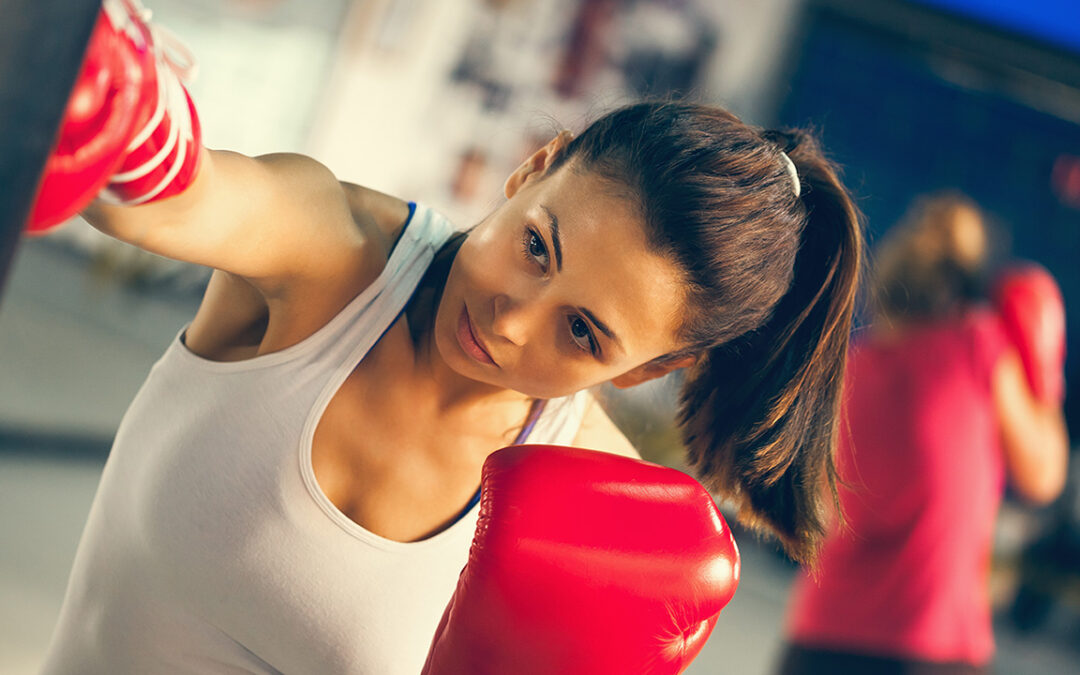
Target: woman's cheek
557, 378
486, 264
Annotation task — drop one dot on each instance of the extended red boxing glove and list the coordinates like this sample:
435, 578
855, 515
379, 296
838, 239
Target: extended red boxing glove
163, 157
100, 118
128, 120
586, 563
1032, 309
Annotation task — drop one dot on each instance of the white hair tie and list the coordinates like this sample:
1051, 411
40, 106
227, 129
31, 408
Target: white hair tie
789, 165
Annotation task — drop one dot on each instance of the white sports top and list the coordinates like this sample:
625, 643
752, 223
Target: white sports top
210, 547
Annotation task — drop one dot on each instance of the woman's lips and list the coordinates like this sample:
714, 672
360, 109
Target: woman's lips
467, 339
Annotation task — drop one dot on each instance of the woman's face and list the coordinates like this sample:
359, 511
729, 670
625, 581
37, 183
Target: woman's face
557, 291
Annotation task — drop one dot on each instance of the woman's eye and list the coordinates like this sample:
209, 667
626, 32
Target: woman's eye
535, 249
581, 335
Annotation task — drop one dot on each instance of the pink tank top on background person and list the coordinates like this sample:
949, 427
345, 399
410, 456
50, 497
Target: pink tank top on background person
920, 452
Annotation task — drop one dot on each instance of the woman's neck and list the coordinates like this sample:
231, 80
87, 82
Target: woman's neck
451, 390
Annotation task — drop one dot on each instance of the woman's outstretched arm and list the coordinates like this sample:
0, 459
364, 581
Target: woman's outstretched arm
270, 219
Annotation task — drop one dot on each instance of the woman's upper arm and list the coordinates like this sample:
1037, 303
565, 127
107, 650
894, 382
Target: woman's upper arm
1033, 433
598, 432
268, 219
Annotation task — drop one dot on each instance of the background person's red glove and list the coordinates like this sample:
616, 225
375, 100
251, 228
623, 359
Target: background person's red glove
1033, 311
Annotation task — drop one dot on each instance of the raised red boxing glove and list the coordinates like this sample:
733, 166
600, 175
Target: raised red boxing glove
163, 157
129, 124
1032, 309
586, 562
106, 105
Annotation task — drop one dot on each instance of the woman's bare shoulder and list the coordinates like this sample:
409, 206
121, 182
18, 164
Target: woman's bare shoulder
240, 318
598, 432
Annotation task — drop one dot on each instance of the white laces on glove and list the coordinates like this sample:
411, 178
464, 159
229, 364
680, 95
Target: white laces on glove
170, 49
175, 65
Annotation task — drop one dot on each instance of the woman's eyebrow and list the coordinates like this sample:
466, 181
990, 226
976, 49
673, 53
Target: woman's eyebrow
553, 223
603, 328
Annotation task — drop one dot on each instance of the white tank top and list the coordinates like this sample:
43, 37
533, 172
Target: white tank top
210, 547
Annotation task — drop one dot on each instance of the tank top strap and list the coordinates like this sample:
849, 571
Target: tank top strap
358, 326
560, 420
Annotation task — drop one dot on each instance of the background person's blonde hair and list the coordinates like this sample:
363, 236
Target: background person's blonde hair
934, 261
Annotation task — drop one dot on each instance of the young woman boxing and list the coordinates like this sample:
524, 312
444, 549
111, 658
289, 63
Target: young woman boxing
291, 490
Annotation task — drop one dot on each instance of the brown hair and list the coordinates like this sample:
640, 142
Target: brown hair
771, 282
933, 262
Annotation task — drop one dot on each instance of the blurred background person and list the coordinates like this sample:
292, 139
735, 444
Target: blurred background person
947, 401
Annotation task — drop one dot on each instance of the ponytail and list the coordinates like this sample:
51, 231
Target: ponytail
759, 413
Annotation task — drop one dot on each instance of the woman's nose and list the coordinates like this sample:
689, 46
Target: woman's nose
514, 318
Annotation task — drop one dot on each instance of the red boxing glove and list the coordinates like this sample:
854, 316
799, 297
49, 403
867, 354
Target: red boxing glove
586, 563
101, 116
163, 156
127, 113
1033, 312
